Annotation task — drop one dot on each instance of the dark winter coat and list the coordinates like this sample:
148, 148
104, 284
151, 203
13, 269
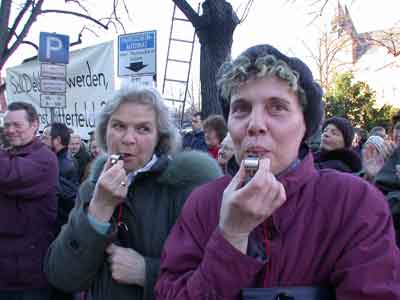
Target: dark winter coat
82, 158
68, 185
389, 183
333, 230
194, 141
28, 210
76, 260
344, 160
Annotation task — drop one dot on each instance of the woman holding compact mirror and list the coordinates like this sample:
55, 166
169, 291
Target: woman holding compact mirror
112, 243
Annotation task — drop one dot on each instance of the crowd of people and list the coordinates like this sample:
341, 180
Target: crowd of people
144, 212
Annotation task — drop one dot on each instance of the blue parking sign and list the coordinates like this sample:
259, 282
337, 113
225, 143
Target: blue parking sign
53, 48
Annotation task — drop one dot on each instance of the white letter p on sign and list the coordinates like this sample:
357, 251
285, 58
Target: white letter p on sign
52, 44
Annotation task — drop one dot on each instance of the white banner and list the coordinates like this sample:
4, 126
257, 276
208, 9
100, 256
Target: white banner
90, 83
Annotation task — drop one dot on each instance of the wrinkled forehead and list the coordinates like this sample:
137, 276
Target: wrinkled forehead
269, 86
15, 116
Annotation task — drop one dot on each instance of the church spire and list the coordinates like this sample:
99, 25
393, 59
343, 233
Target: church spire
337, 23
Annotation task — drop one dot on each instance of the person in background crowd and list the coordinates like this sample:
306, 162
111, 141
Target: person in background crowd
335, 149
194, 140
360, 137
45, 136
396, 118
94, 151
226, 153
57, 137
396, 134
290, 224
214, 132
388, 181
3, 141
375, 153
78, 151
314, 142
112, 242
379, 131
28, 206
74, 144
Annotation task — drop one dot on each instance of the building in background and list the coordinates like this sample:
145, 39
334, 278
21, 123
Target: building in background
373, 57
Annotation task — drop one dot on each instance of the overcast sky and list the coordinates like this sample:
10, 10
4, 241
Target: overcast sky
281, 23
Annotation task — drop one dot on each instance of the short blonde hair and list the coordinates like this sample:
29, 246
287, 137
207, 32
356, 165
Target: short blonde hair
234, 73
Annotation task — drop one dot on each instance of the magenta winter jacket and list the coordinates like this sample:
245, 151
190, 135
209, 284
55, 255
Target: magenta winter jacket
28, 211
334, 229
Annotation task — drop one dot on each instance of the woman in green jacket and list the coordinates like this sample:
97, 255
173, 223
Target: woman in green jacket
112, 242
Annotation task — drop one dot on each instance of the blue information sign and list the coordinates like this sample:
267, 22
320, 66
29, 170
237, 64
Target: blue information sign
137, 54
138, 41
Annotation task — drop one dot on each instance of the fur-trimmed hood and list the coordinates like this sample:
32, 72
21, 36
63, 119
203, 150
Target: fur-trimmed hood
184, 167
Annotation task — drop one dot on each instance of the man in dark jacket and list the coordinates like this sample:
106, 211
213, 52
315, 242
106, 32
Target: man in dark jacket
78, 151
28, 206
59, 138
195, 140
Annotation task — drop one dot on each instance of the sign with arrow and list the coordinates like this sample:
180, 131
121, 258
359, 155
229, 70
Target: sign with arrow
137, 54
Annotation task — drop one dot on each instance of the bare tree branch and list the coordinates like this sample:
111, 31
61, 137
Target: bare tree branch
31, 44
326, 57
88, 29
246, 11
390, 40
126, 10
58, 11
114, 18
77, 2
26, 42
36, 8
189, 12
78, 41
5, 10
18, 19
29, 10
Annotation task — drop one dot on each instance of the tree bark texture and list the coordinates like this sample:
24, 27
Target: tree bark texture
214, 29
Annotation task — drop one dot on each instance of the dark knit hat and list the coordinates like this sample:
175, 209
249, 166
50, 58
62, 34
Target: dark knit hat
314, 108
345, 128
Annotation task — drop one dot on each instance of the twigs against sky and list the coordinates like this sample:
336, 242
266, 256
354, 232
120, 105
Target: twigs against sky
15, 30
246, 10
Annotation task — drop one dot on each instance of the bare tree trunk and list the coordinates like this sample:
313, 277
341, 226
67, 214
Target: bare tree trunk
214, 29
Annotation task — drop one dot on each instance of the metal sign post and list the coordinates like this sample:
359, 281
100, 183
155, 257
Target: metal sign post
54, 56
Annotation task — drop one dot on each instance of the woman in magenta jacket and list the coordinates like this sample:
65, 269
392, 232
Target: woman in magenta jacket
290, 225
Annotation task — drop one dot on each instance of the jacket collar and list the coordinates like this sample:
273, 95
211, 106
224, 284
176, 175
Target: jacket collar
293, 181
28, 148
62, 153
